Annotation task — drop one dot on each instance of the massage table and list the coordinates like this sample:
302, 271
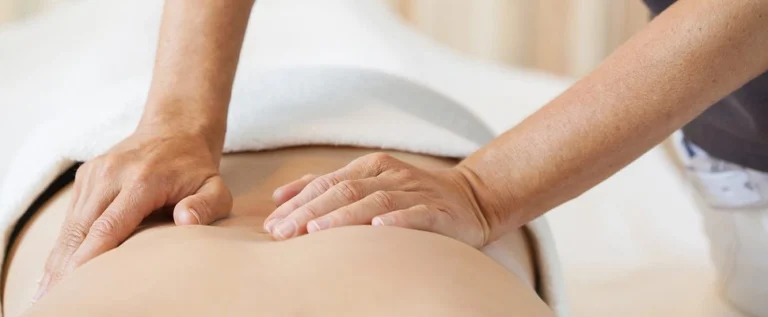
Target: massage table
632, 246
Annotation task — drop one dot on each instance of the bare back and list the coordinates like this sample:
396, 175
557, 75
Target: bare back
234, 268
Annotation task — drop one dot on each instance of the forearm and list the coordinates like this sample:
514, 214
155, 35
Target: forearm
688, 58
197, 55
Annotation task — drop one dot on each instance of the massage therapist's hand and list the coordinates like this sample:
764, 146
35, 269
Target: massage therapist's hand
153, 169
380, 190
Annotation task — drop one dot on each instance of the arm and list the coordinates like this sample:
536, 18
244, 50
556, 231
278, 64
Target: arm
172, 158
692, 55
689, 57
197, 55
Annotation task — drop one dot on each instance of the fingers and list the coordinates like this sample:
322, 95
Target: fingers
213, 201
364, 211
101, 218
367, 166
116, 224
288, 191
116, 191
83, 211
340, 195
315, 188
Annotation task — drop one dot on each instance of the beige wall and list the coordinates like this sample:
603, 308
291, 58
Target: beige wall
12, 9
568, 37
561, 36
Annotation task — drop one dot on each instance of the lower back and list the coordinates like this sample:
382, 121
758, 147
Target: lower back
351, 271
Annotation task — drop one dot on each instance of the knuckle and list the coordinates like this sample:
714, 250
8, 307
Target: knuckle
406, 174
383, 199
378, 160
430, 218
100, 167
386, 163
147, 190
57, 275
72, 235
146, 178
142, 175
108, 165
344, 216
292, 205
104, 227
366, 161
349, 190
322, 184
50, 267
379, 157
82, 172
311, 211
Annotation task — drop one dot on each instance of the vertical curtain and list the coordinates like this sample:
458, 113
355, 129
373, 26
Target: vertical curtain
562, 36
14, 9
567, 37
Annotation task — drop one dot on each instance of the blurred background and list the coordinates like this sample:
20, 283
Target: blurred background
566, 37
632, 246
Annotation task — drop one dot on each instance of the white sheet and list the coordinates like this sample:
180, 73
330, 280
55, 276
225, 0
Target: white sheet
630, 247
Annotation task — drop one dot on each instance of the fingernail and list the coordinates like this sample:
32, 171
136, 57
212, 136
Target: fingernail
185, 217
286, 229
382, 221
195, 214
277, 193
318, 224
39, 294
270, 224
41, 288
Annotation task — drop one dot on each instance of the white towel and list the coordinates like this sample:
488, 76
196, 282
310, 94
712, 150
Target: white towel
272, 109
292, 89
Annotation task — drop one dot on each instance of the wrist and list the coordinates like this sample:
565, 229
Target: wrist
495, 212
177, 121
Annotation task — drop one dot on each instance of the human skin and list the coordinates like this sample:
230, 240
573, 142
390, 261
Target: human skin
171, 160
688, 57
233, 267
693, 54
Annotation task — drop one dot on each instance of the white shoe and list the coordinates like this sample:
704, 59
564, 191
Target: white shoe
734, 204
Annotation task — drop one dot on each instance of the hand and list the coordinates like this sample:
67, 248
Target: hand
380, 190
113, 193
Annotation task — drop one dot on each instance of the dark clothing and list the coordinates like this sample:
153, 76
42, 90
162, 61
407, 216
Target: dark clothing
734, 129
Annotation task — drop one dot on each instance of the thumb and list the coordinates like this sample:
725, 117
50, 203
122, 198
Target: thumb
211, 202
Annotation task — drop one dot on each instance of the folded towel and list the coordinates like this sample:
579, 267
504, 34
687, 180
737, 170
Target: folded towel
359, 88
